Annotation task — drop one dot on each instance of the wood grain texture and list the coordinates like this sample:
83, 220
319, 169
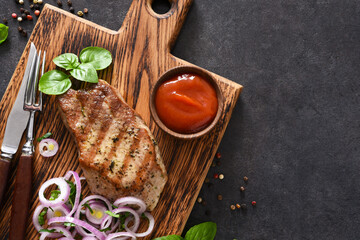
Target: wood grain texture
141, 53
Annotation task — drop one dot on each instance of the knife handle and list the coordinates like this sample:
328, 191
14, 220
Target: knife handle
21, 198
4, 172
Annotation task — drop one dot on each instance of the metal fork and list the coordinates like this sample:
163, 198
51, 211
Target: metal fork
23, 183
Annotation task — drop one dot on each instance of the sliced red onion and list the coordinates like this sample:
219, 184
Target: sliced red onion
62, 198
80, 223
95, 207
56, 234
78, 189
80, 230
62, 208
48, 147
121, 202
120, 234
65, 238
150, 228
134, 213
89, 238
35, 218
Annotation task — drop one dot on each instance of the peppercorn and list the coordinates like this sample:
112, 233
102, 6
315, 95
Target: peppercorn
242, 188
246, 178
37, 6
71, 9
5, 21
219, 197
20, 29
29, 17
24, 33
27, 12
216, 175
40, 1
218, 163
86, 10
37, 12
80, 13
21, 2
238, 206
32, 6
243, 206
232, 207
14, 15
207, 180
23, 16
213, 164
253, 203
19, 19
59, 3
203, 203
199, 200
22, 10
69, 3
218, 155
221, 176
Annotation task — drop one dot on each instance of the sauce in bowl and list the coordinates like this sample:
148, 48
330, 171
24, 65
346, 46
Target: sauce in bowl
186, 103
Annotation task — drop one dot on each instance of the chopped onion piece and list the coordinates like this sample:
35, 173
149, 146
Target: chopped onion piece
48, 147
61, 199
121, 202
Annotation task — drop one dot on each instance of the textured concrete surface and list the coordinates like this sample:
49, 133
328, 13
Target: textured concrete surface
296, 129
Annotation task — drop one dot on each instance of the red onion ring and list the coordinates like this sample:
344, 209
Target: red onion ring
77, 213
78, 189
121, 202
56, 234
62, 208
150, 228
80, 223
35, 219
96, 207
62, 198
134, 213
48, 152
120, 234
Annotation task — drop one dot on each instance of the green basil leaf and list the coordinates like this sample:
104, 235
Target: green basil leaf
41, 219
54, 82
4, 31
85, 72
170, 237
99, 58
203, 231
67, 60
46, 135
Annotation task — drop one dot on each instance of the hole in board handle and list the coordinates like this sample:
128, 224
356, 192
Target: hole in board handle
161, 6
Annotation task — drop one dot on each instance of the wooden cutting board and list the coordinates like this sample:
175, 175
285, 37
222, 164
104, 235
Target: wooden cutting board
141, 53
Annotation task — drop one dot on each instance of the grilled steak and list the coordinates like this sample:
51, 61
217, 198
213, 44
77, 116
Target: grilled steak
118, 154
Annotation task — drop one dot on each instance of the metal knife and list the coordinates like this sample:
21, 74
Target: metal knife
15, 126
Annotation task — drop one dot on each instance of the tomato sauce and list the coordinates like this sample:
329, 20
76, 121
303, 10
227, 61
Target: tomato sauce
186, 103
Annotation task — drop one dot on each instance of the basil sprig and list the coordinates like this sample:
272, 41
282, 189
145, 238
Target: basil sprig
4, 31
203, 231
56, 82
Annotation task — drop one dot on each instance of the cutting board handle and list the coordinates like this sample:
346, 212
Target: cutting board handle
163, 28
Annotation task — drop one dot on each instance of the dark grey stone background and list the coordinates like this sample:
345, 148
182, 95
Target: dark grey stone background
295, 129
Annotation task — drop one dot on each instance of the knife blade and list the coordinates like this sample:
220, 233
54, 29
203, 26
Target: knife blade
15, 125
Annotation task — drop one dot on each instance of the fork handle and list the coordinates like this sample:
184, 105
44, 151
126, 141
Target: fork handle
21, 198
4, 172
